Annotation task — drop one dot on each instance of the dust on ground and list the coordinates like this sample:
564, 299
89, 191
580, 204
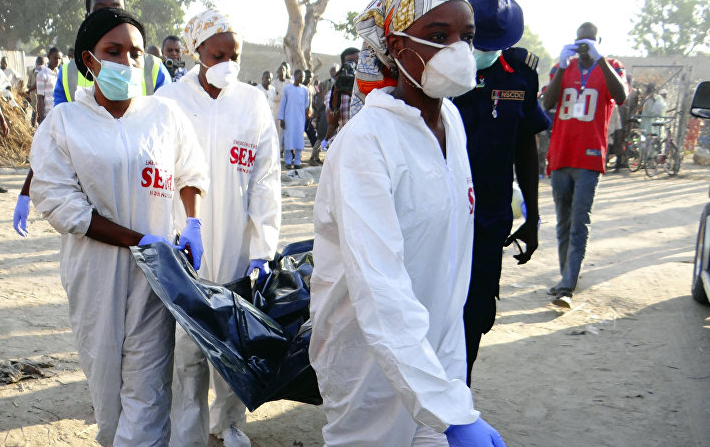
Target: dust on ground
629, 365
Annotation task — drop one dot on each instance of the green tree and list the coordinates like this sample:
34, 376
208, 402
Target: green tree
46, 22
672, 27
159, 17
55, 22
347, 27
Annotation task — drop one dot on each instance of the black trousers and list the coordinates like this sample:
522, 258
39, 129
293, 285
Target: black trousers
479, 312
311, 132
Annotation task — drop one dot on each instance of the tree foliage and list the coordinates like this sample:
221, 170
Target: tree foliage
348, 26
672, 27
55, 22
160, 18
46, 22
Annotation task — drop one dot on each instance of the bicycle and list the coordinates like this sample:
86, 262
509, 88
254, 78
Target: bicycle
672, 155
653, 149
634, 146
663, 151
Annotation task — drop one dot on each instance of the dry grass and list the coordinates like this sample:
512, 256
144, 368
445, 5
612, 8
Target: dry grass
15, 148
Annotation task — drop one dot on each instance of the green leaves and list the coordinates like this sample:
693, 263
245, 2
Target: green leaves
160, 18
47, 23
672, 27
43, 22
347, 27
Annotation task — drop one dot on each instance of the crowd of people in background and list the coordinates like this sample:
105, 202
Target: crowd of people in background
645, 101
324, 115
428, 127
319, 112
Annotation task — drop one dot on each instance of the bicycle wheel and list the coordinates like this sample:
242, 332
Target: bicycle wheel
651, 162
632, 146
668, 158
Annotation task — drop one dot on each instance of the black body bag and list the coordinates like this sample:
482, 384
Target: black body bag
257, 339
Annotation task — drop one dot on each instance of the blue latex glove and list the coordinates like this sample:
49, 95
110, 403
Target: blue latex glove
567, 52
593, 52
262, 266
191, 236
152, 239
478, 434
19, 218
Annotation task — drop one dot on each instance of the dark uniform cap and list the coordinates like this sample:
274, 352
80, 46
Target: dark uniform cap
499, 24
96, 26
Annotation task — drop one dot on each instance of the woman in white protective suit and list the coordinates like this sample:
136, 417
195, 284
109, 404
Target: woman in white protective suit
241, 213
393, 239
106, 168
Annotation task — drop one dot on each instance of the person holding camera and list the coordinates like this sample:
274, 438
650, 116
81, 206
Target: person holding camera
172, 58
585, 90
338, 100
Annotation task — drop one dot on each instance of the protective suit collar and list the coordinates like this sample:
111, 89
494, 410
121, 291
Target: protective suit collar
86, 96
382, 99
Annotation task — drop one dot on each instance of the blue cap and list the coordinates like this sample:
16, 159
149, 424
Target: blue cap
499, 24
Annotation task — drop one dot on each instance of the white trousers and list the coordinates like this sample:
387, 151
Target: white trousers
124, 337
192, 421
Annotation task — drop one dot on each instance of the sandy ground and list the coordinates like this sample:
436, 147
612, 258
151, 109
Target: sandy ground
629, 365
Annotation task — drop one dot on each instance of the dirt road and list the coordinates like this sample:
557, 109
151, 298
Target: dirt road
629, 365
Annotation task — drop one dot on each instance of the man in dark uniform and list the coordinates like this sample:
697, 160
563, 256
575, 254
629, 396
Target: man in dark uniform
501, 116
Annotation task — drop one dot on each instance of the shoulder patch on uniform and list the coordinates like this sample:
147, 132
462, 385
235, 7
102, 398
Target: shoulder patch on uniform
524, 57
532, 60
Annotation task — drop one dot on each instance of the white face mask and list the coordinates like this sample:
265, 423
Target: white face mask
222, 74
449, 73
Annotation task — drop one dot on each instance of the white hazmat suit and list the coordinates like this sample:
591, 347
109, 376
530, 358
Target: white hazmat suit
241, 218
392, 254
127, 170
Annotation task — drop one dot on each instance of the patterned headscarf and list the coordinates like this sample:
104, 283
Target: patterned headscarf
376, 67
203, 26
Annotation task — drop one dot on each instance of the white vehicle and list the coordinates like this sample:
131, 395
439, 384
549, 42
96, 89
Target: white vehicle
701, 270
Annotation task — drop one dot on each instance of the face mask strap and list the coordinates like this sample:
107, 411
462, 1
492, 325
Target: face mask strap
406, 73
415, 53
418, 40
97, 60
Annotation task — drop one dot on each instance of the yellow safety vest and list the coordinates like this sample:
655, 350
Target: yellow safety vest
72, 79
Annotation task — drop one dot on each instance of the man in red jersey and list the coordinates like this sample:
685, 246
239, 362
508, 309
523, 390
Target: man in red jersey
584, 89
